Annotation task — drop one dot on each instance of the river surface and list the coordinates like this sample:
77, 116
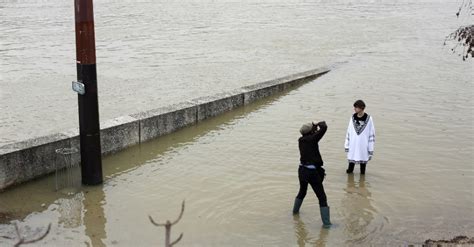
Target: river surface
238, 172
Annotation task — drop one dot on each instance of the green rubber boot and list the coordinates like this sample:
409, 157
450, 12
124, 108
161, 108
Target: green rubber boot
297, 205
325, 217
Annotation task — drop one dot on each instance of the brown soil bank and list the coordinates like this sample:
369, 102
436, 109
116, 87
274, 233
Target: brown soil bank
457, 241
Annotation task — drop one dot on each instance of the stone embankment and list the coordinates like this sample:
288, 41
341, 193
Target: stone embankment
30, 159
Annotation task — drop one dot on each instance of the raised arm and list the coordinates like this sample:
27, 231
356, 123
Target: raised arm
321, 129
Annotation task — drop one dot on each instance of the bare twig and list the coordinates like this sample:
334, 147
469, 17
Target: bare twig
22, 240
464, 35
18, 235
168, 226
177, 240
180, 214
154, 223
40, 237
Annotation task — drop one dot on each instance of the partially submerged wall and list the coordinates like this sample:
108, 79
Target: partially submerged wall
27, 160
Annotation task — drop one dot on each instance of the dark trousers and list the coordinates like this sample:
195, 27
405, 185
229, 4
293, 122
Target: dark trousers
315, 178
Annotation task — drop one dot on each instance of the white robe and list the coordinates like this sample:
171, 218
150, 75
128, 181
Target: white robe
360, 145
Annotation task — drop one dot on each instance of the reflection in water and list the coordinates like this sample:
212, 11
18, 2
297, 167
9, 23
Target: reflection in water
303, 237
70, 211
94, 218
358, 211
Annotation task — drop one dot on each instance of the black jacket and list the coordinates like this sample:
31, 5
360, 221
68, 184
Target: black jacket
308, 145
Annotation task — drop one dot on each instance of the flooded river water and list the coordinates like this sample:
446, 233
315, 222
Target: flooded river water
238, 172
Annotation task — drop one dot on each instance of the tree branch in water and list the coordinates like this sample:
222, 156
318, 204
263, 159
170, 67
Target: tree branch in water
168, 226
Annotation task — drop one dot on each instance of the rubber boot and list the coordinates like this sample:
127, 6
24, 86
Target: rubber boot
362, 168
350, 168
297, 205
325, 217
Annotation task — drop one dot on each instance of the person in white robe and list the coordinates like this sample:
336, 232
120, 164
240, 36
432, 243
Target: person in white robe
360, 138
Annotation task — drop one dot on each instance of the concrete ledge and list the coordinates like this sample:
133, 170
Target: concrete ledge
119, 133
30, 159
214, 105
161, 121
267, 88
27, 160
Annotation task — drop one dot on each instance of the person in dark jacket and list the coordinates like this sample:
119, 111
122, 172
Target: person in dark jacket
310, 170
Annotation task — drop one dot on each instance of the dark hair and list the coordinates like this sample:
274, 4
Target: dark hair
359, 104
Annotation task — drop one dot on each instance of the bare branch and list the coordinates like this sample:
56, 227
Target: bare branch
40, 237
463, 36
22, 240
168, 226
176, 221
177, 240
154, 223
180, 214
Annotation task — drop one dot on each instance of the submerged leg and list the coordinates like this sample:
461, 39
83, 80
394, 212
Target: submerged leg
362, 168
318, 188
297, 205
325, 217
302, 192
317, 185
350, 168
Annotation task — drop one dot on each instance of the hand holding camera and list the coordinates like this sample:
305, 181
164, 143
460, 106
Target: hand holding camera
318, 125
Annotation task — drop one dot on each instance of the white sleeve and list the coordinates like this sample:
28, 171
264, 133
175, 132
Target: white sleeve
371, 136
348, 136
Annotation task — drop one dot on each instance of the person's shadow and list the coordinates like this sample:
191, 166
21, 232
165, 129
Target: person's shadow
357, 210
303, 237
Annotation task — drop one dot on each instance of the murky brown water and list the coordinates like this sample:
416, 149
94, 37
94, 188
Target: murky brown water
237, 172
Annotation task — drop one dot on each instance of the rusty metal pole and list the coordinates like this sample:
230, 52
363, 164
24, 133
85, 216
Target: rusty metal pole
89, 127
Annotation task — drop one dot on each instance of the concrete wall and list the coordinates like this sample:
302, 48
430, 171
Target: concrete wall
119, 133
214, 105
162, 121
27, 160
